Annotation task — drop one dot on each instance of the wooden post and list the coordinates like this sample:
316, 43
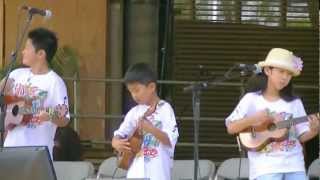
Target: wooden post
238, 10
284, 10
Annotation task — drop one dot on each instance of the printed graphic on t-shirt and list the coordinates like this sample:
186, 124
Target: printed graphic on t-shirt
35, 95
286, 145
35, 98
150, 142
28, 91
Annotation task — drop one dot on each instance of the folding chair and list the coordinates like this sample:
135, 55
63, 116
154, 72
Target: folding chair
184, 170
314, 170
73, 170
109, 169
234, 168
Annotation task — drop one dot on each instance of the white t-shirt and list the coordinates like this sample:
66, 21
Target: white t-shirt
276, 157
47, 90
155, 159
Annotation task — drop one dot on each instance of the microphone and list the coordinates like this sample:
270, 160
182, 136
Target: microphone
250, 68
42, 12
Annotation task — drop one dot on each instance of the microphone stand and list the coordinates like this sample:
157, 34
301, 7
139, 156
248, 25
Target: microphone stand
196, 89
166, 39
13, 58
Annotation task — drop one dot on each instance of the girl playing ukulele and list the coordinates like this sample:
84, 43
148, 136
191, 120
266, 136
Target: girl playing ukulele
272, 101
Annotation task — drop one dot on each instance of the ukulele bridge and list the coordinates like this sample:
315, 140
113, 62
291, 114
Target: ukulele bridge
253, 132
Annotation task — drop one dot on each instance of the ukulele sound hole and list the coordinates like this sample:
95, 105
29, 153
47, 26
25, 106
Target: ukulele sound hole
272, 127
15, 110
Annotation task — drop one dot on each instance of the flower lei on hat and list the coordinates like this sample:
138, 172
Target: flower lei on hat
297, 63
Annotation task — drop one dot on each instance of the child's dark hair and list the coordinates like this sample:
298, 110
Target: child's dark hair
259, 82
141, 73
45, 39
68, 145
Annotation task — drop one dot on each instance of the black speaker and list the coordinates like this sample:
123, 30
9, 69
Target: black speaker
28, 163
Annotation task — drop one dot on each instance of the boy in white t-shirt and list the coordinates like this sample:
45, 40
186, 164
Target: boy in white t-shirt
43, 92
271, 100
156, 119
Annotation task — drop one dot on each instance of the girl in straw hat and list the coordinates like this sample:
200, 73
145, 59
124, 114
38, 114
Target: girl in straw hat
270, 101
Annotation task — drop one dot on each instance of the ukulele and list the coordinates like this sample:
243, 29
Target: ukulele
256, 138
125, 158
19, 111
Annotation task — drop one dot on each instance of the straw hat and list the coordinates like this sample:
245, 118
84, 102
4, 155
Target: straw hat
284, 59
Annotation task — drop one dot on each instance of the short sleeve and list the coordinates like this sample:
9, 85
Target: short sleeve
128, 125
241, 109
59, 94
169, 124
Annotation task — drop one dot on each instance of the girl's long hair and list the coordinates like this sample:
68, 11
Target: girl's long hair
259, 82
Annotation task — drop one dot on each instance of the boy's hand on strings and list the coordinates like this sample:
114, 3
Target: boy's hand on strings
40, 117
145, 125
43, 116
58, 112
314, 123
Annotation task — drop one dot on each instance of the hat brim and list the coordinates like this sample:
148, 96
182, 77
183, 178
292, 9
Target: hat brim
278, 65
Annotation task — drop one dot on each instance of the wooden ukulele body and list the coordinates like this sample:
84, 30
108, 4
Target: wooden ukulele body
125, 158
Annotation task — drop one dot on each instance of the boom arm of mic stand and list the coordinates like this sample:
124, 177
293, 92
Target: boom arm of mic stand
196, 86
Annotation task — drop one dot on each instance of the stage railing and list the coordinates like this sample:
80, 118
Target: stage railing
76, 115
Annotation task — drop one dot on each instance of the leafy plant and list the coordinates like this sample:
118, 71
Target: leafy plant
4, 70
65, 62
